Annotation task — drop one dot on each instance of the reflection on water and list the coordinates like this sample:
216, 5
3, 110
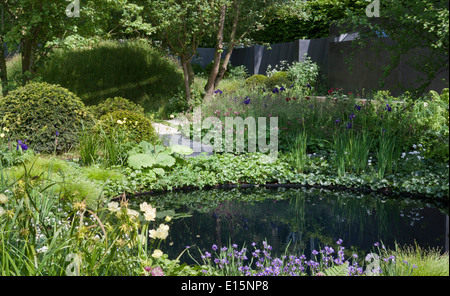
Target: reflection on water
301, 219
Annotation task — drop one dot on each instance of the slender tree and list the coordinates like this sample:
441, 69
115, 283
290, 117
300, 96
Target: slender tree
181, 26
244, 17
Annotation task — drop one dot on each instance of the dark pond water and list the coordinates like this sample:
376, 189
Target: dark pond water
303, 219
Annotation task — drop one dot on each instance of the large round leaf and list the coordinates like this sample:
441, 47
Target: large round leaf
180, 149
139, 161
164, 159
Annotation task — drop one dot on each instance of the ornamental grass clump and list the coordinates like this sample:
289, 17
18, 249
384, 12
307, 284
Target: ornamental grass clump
43, 233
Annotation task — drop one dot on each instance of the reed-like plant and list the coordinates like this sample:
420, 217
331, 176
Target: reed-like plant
88, 145
388, 153
298, 154
114, 146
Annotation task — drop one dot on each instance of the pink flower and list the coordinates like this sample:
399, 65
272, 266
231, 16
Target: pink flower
157, 271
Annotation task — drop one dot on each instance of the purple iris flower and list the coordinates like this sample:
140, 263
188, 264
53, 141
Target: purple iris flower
246, 101
22, 145
218, 91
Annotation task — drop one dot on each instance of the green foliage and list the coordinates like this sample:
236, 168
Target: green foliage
257, 80
136, 127
88, 145
131, 69
337, 270
278, 79
290, 20
431, 122
38, 111
115, 104
303, 73
149, 156
427, 19
299, 152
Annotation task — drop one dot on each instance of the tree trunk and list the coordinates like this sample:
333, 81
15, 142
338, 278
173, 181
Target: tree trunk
28, 50
185, 64
209, 87
3, 73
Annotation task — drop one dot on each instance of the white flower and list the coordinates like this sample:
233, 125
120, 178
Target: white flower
150, 215
144, 207
113, 206
149, 211
172, 116
2, 135
157, 253
119, 121
152, 233
42, 250
132, 213
168, 218
3, 198
162, 232
425, 104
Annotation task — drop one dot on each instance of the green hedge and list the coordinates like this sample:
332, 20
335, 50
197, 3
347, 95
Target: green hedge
42, 114
133, 70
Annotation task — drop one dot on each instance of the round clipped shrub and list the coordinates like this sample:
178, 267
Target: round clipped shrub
115, 104
279, 78
136, 126
48, 117
256, 80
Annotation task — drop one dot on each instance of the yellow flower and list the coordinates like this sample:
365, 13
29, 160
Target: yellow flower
168, 218
157, 254
119, 121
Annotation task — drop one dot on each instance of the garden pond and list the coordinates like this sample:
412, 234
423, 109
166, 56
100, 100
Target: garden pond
298, 220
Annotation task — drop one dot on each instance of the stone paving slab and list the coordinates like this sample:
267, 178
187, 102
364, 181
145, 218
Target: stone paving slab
171, 136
